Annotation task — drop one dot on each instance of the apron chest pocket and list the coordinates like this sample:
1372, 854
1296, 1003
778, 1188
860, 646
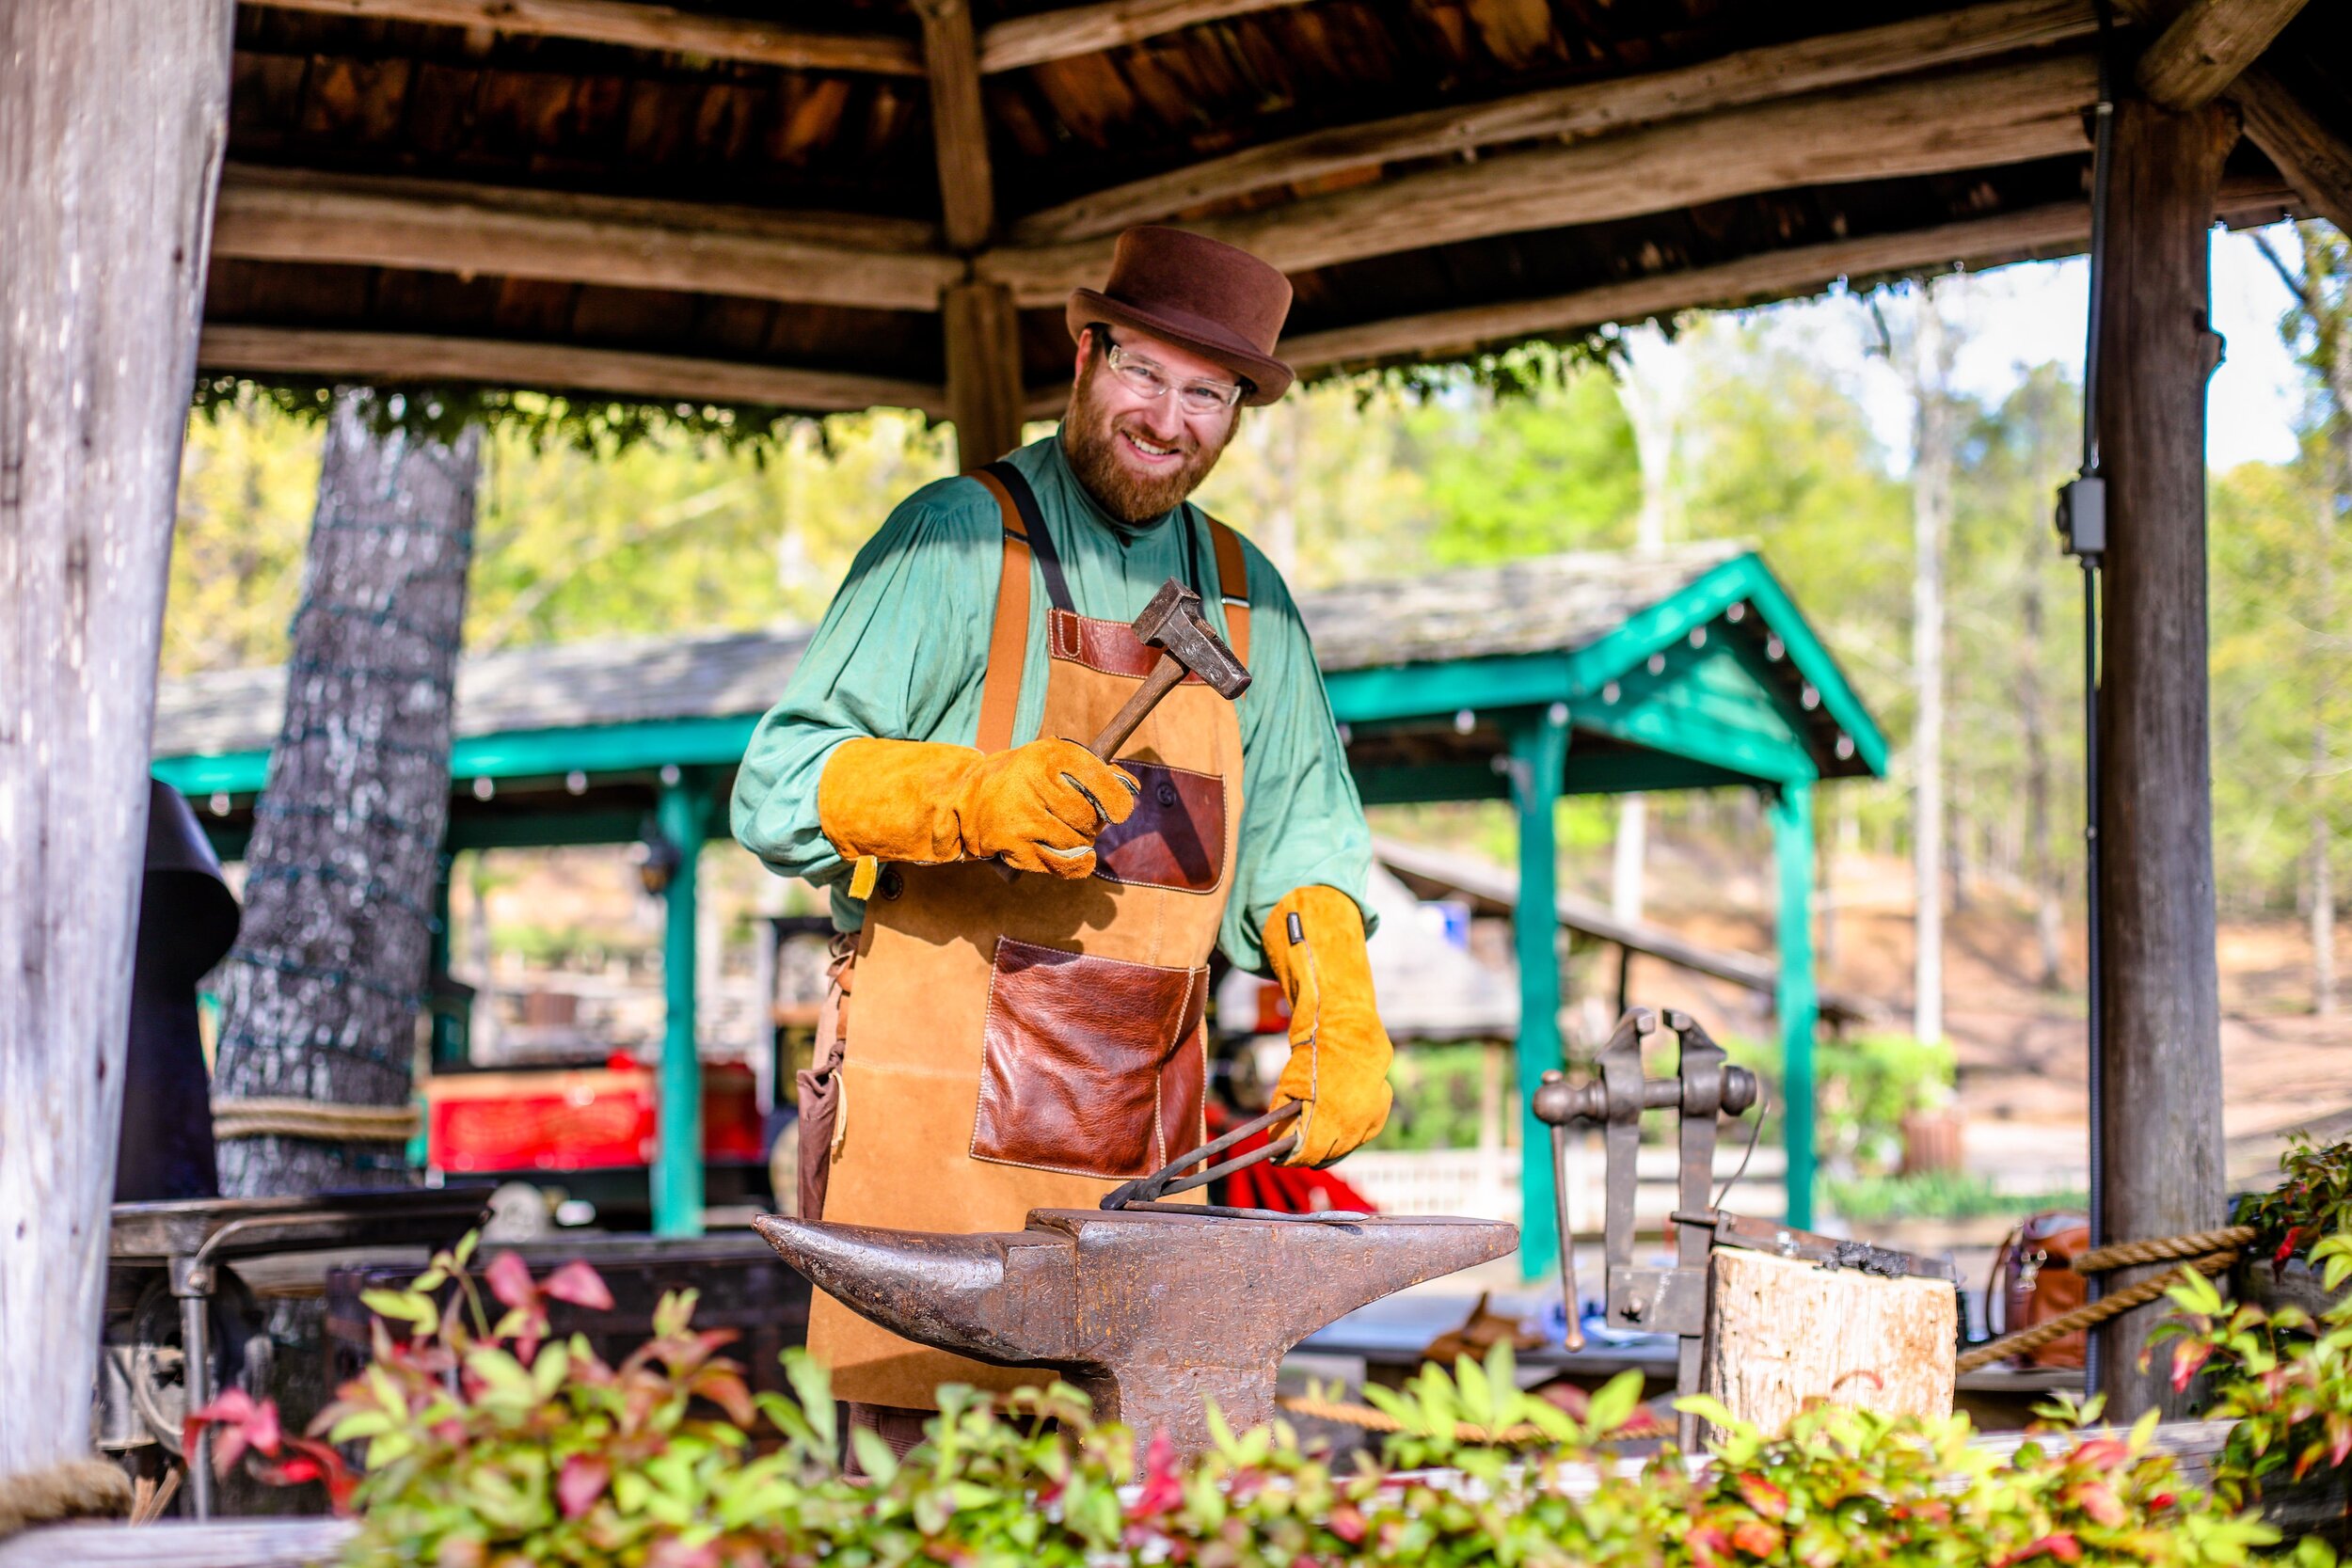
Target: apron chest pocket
1090, 1066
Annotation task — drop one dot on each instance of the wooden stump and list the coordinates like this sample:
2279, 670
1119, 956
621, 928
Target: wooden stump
1782, 1333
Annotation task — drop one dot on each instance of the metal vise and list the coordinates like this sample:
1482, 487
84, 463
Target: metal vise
1672, 1300
1151, 1312
1662, 1301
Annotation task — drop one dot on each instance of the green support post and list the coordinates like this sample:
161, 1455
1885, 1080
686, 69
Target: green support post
1539, 755
1797, 1003
682, 813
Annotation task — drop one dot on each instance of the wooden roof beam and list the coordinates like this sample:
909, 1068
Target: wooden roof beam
967, 187
396, 359
1983, 118
1029, 40
1799, 271
1587, 108
632, 25
2314, 160
2207, 46
298, 215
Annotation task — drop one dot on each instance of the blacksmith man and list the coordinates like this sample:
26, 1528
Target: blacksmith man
1025, 1042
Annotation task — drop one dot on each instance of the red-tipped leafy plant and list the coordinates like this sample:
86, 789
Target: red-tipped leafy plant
489, 1445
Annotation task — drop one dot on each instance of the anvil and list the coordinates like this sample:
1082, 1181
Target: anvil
1152, 1313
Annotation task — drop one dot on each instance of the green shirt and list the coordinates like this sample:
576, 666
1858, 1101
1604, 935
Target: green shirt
903, 650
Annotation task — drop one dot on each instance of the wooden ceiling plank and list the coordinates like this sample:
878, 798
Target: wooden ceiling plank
1796, 272
1983, 118
394, 358
282, 215
1028, 40
1752, 76
2314, 160
2207, 46
635, 25
968, 187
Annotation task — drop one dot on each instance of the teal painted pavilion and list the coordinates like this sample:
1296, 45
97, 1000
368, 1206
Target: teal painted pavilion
1571, 674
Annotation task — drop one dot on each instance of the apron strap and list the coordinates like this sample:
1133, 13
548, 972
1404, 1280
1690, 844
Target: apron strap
1232, 585
1008, 640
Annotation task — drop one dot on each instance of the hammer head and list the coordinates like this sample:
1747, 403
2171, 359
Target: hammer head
1173, 622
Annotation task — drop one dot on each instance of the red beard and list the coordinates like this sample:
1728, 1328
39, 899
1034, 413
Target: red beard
1090, 438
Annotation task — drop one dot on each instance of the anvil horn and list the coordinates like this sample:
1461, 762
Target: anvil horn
944, 1291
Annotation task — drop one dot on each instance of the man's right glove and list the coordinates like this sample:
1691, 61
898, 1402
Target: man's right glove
920, 802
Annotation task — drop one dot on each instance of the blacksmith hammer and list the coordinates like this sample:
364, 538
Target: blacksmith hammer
1173, 623
1150, 1312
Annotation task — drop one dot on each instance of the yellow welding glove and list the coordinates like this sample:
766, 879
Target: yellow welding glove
921, 802
1339, 1066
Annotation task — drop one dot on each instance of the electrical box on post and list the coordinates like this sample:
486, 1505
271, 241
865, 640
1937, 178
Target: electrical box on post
2082, 515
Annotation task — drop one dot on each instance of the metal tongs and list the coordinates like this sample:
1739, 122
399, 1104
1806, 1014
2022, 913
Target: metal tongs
1145, 1191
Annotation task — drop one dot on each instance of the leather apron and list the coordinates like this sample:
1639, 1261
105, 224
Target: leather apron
1029, 1042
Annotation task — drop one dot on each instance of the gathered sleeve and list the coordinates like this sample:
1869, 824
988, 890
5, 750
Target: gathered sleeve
902, 655
1302, 821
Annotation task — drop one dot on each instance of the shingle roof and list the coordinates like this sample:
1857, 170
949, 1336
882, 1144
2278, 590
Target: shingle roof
1549, 603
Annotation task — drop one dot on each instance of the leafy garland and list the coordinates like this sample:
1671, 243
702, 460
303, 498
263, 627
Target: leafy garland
598, 426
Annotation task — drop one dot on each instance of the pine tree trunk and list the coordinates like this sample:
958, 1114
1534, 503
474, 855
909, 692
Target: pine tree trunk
1931, 514
323, 987
2033, 719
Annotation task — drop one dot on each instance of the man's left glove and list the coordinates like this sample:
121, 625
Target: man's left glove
1338, 1065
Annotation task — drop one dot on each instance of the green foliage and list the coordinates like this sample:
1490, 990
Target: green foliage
489, 1445
1863, 1086
1436, 1089
1935, 1195
2283, 1379
2313, 1198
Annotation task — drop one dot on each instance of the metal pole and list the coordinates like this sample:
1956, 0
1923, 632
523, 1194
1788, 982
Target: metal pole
1539, 752
677, 1167
1797, 1002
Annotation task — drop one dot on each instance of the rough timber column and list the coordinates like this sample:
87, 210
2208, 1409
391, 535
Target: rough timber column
112, 116
983, 329
2162, 1159
983, 371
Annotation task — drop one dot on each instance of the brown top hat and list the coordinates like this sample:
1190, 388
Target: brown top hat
1220, 302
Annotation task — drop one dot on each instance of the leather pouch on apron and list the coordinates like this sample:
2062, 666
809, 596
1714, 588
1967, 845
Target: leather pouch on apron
1072, 1058
1174, 838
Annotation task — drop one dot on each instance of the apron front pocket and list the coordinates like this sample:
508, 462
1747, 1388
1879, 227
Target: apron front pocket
1074, 1055
1174, 838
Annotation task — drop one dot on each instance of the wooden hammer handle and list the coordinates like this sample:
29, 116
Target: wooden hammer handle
1164, 678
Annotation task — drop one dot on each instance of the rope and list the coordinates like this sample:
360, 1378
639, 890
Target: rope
76, 1489
2088, 1314
313, 1118
2196, 1243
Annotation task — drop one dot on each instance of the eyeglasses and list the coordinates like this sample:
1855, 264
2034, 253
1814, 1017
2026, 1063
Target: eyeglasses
1148, 380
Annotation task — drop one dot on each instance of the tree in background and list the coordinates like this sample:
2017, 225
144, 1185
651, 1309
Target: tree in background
2016, 624
1927, 362
2319, 326
1653, 386
320, 996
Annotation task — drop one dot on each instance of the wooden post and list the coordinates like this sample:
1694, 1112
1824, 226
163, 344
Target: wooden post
1797, 1001
983, 371
1539, 753
683, 812
2162, 1162
1780, 1334
112, 116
